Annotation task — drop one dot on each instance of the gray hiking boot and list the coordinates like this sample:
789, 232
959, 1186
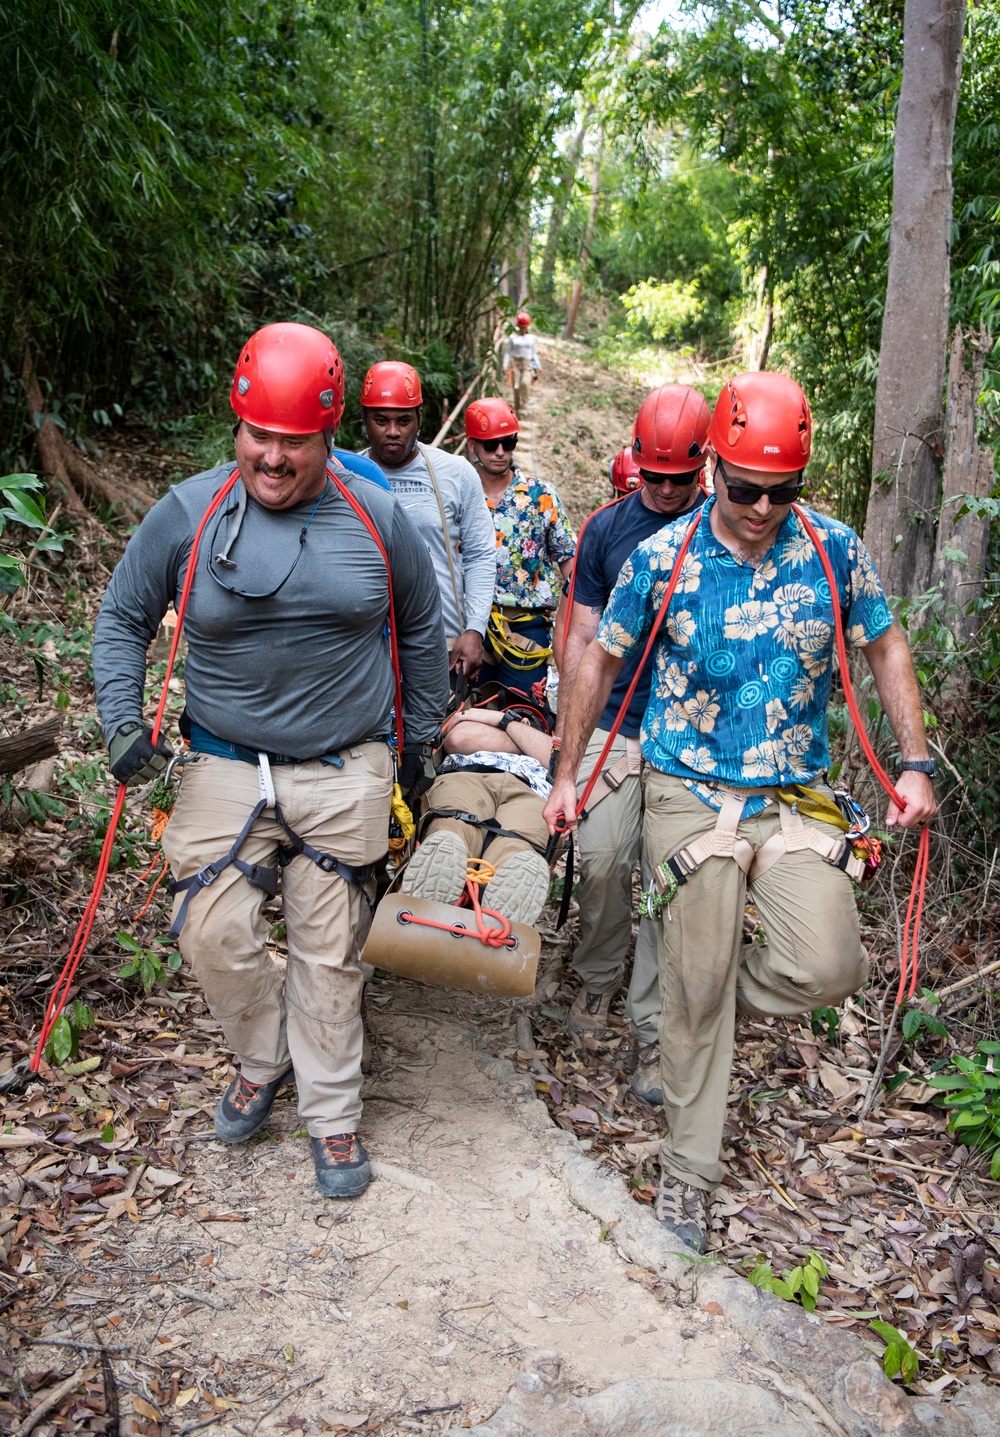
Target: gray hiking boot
645, 1083
683, 1211
519, 888
437, 869
589, 1014
342, 1166
245, 1107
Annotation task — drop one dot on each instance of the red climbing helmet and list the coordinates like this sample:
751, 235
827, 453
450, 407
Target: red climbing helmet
624, 471
522, 320
671, 430
489, 419
762, 421
390, 384
289, 380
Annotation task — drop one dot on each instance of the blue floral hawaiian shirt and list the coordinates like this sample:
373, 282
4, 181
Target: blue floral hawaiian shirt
534, 536
743, 663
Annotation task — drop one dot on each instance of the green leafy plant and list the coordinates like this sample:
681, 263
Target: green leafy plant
917, 1023
19, 507
827, 1018
972, 1092
898, 1357
802, 1282
64, 1040
145, 964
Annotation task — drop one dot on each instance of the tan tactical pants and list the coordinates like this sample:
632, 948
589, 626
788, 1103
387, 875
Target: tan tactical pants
521, 371
609, 842
311, 1019
813, 957
489, 795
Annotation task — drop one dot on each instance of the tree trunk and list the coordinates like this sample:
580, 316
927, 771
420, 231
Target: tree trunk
960, 552
761, 345
79, 481
560, 204
20, 750
899, 529
588, 235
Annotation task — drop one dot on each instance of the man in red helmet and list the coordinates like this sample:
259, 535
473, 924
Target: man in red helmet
623, 471
289, 691
735, 739
444, 499
520, 360
534, 545
668, 452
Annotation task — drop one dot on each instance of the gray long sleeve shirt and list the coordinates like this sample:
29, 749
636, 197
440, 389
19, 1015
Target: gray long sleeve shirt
470, 531
286, 649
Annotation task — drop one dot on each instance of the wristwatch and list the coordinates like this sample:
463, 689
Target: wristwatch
919, 765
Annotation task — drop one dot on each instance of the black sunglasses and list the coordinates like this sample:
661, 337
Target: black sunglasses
507, 443
680, 480
745, 494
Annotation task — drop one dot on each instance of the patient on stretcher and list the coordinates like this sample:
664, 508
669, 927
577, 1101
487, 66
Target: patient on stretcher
486, 803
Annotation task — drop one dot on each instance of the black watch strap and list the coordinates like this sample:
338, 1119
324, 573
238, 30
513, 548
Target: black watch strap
919, 765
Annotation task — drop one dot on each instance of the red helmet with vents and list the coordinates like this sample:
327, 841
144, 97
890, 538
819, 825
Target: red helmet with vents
289, 379
671, 431
762, 421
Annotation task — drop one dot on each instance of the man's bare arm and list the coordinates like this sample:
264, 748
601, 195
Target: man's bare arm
594, 681
891, 663
566, 569
583, 625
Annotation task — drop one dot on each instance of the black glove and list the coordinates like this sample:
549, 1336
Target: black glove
133, 756
416, 771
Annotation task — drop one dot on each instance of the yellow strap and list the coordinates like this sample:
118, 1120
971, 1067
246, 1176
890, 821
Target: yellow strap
813, 805
401, 813
522, 652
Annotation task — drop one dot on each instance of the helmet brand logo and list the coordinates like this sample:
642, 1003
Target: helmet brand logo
244, 384
771, 449
326, 398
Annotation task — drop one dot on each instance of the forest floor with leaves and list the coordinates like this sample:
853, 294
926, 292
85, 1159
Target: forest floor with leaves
141, 1264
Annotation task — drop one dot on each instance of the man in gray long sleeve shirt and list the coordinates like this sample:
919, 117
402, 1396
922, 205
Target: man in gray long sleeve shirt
442, 495
289, 692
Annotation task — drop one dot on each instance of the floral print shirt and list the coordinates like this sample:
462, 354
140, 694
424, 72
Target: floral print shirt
743, 662
534, 536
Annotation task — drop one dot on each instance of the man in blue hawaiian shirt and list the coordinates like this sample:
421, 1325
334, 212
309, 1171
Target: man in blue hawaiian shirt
737, 720
535, 546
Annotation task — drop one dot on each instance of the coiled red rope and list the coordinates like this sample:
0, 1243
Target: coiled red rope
61, 990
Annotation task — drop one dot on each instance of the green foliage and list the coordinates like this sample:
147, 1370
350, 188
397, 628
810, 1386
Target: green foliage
64, 1040
828, 1019
899, 1357
801, 1282
145, 964
972, 1091
20, 506
917, 1024
665, 310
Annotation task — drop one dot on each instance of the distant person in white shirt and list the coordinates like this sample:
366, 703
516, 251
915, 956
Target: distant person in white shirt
520, 359
444, 499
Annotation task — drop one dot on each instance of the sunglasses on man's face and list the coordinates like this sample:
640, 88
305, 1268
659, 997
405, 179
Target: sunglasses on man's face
746, 494
681, 480
507, 443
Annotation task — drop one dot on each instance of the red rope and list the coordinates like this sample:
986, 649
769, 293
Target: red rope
492, 937
572, 573
914, 911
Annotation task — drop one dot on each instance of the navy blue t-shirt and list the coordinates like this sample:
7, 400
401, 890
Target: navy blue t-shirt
611, 537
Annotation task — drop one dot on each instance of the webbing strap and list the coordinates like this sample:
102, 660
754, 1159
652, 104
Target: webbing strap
358, 875
628, 764
256, 873
490, 824
797, 837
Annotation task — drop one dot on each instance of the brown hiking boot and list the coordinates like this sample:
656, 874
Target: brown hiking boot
589, 1014
683, 1210
645, 1082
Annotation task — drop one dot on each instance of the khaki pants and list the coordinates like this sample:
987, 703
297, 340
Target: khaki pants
311, 1019
609, 841
521, 370
489, 795
813, 957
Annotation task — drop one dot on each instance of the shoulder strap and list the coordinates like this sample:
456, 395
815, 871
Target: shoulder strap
425, 451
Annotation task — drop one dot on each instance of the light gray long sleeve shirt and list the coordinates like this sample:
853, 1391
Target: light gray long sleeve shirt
470, 531
287, 649
521, 347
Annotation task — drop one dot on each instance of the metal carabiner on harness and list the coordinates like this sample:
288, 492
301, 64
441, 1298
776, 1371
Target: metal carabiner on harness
858, 821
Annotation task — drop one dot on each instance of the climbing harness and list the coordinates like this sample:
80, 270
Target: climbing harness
610, 780
520, 652
60, 992
857, 853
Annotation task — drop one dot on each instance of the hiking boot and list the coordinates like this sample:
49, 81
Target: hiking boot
437, 869
519, 889
683, 1211
342, 1166
245, 1107
589, 1014
645, 1083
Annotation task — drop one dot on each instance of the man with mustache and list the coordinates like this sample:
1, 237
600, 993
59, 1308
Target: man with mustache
289, 691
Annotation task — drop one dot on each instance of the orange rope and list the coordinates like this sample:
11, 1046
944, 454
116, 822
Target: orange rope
492, 937
159, 879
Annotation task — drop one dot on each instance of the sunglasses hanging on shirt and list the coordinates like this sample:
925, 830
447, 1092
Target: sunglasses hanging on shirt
508, 443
